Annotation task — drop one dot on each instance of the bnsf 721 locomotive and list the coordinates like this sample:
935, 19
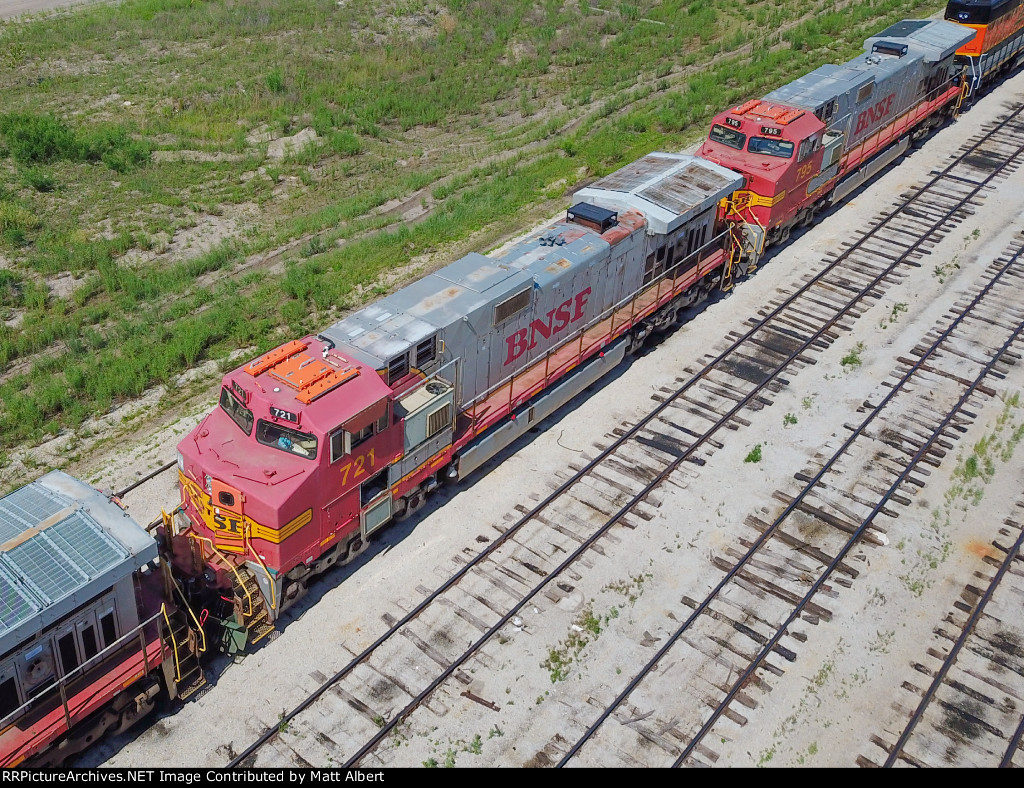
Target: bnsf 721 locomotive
322, 441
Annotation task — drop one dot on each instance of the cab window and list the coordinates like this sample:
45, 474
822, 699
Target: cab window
771, 147
285, 439
807, 147
343, 440
239, 414
727, 136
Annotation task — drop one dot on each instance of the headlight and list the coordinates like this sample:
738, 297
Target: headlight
209, 484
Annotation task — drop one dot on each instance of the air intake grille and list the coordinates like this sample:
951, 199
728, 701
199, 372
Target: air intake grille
439, 419
511, 306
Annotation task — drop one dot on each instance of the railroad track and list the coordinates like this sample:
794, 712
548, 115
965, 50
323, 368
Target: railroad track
422, 663
915, 423
972, 711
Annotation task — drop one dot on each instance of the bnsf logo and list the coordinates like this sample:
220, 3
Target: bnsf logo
875, 113
569, 311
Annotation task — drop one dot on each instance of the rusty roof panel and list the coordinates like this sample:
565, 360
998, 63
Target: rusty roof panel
668, 189
636, 174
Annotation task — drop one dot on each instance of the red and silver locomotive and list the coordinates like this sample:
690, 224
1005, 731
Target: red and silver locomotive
812, 142
93, 629
322, 441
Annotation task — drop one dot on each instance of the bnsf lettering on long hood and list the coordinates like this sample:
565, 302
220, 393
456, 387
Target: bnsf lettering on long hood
565, 314
874, 113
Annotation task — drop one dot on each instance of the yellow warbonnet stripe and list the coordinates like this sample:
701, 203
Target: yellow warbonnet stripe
256, 531
290, 528
767, 202
747, 199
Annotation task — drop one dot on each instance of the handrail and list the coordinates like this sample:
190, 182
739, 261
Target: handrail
933, 95
964, 87
247, 538
188, 607
115, 646
734, 208
248, 597
174, 644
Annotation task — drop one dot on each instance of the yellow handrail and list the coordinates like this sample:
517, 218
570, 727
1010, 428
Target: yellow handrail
229, 565
964, 87
734, 206
174, 644
188, 607
248, 543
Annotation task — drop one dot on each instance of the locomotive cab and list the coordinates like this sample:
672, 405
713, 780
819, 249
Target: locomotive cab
300, 425
779, 151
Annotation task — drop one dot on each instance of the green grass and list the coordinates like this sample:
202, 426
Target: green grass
130, 131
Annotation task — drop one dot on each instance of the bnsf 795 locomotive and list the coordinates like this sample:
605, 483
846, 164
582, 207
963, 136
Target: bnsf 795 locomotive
322, 441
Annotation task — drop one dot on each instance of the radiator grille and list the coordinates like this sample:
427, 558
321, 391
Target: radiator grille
439, 419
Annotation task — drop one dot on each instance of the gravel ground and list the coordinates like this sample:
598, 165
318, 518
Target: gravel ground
845, 684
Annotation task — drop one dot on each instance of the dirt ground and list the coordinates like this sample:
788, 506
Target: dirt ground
13, 8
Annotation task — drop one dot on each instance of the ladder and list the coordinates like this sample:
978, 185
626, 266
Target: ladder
252, 619
184, 645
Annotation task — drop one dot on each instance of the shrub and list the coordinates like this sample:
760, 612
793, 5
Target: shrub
345, 143
15, 222
37, 179
275, 80
10, 289
852, 359
43, 139
38, 139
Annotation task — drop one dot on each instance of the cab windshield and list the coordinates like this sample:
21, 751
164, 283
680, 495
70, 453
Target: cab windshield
239, 414
727, 136
771, 147
285, 439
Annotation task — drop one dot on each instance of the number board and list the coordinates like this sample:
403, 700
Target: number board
734, 122
243, 395
768, 131
286, 415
